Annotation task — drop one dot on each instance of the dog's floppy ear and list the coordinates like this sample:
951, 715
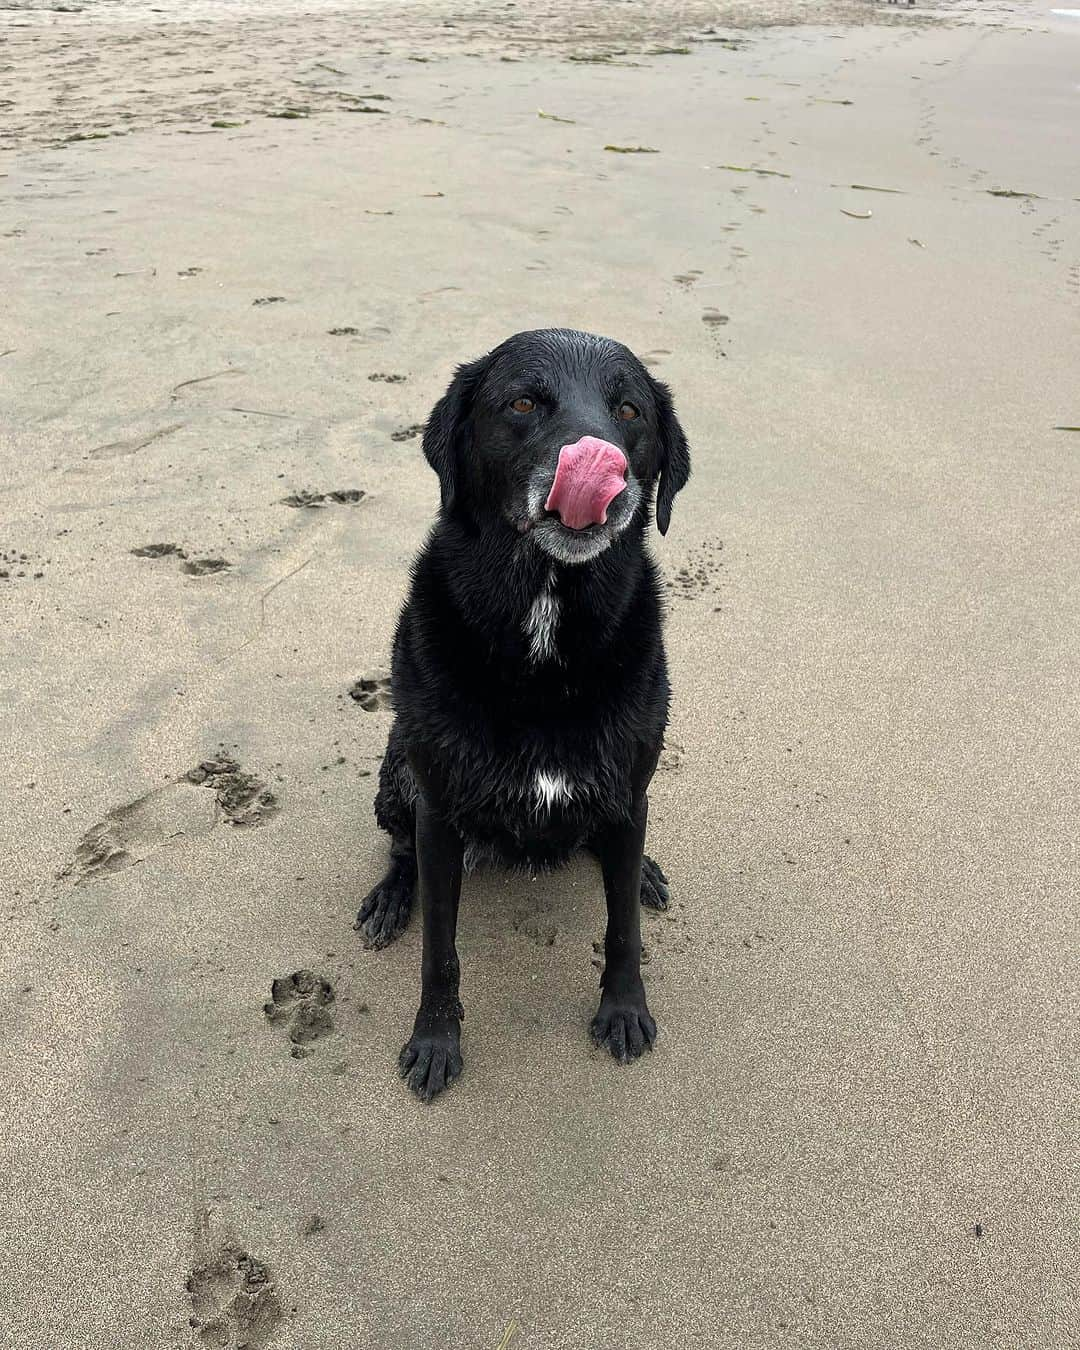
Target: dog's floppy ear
674, 462
447, 428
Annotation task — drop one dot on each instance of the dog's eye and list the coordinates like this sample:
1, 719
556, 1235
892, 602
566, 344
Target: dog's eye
523, 405
627, 412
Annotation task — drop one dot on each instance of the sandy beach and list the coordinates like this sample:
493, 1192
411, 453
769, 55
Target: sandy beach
242, 248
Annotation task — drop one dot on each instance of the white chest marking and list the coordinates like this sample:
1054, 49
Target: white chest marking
551, 788
540, 624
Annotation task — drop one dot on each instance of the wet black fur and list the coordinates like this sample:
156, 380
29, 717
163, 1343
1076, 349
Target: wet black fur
477, 715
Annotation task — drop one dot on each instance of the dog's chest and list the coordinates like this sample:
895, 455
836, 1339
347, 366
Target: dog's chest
541, 624
536, 801
553, 730
526, 814
534, 789
550, 789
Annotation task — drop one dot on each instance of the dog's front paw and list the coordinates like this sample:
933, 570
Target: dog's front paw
624, 1025
431, 1058
385, 912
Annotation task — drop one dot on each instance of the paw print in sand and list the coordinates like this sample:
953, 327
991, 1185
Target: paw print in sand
234, 1303
243, 798
701, 577
372, 692
204, 567
301, 1002
313, 500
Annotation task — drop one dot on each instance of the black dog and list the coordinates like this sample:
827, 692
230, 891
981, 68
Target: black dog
529, 680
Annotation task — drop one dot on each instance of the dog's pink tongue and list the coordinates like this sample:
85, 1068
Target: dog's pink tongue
591, 474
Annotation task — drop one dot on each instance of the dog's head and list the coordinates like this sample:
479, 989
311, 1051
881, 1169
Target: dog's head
561, 436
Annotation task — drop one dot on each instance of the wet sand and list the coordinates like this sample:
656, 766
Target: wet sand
855, 257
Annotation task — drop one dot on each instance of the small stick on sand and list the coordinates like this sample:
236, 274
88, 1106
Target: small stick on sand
201, 379
743, 168
262, 602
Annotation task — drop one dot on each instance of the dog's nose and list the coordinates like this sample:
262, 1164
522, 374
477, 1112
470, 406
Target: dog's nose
590, 475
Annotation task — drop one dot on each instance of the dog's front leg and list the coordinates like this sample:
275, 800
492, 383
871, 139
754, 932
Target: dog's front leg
623, 1022
431, 1059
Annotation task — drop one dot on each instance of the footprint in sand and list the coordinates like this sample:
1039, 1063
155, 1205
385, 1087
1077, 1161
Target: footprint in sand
377, 332
538, 928
159, 551
14, 564
372, 692
671, 757
408, 433
688, 278
654, 358
701, 576
194, 567
269, 300
179, 810
202, 567
379, 377
243, 798
315, 500
300, 1003
234, 1301
714, 318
